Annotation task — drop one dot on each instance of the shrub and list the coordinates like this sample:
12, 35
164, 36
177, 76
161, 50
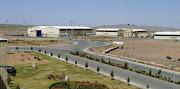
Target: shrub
147, 86
9, 80
86, 65
77, 53
128, 80
98, 69
31, 48
159, 72
59, 56
150, 72
125, 65
39, 50
66, 58
51, 54
109, 62
44, 52
112, 74
17, 48
17, 87
75, 62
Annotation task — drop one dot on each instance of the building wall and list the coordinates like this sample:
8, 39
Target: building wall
3, 56
46, 32
167, 37
77, 32
129, 33
107, 34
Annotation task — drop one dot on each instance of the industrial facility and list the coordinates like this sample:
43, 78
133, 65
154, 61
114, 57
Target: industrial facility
136, 33
59, 31
115, 32
167, 35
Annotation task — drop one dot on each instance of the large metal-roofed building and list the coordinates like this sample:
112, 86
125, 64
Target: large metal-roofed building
58, 31
167, 35
115, 32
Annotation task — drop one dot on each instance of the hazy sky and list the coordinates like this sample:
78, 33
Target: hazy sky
91, 12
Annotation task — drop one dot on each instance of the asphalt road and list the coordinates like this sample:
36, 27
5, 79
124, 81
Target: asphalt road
121, 74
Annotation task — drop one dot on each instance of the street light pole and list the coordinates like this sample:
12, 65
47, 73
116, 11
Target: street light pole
7, 32
174, 60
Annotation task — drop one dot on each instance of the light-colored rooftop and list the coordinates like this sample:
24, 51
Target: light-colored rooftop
64, 27
111, 29
138, 30
2, 39
167, 33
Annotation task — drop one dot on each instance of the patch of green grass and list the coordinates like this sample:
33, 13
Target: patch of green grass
31, 78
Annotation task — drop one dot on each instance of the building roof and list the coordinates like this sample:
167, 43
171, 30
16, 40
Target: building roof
111, 29
64, 27
2, 39
167, 33
138, 30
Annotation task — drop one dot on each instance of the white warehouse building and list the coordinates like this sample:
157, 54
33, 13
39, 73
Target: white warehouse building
57, 31
167, 35
115, 32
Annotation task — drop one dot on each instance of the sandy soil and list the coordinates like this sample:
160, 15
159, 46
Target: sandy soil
150, 50
20, 57
36, 43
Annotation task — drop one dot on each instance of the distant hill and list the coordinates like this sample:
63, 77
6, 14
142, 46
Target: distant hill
148, 28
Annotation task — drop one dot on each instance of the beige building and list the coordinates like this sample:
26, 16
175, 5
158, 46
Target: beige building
114, 32
135, 33
3, 56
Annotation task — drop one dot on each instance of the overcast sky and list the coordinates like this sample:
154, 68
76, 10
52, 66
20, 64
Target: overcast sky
91, 12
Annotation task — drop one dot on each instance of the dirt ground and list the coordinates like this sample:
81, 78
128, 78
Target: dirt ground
149, 50
20, 57
36, 43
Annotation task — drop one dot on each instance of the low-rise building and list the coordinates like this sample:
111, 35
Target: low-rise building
57, 31
167, 35
115, 32
135, 33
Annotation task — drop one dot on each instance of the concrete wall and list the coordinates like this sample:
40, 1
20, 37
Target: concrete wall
3, 56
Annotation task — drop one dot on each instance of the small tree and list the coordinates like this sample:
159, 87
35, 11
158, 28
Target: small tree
128, 80
75, 62
59, 56
147, 86
51, 54
125, 65
150, 72
44, 52
109, 62
112, 74
159, 72
98, 69
9, 80
16, 48
77, 53
39, 50
31, 48
66, 58
86, 65
17, 87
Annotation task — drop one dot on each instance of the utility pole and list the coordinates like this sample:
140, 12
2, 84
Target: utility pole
7, 32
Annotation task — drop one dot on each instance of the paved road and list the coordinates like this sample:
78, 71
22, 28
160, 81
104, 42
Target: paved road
136, 79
